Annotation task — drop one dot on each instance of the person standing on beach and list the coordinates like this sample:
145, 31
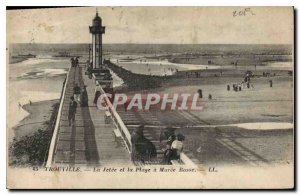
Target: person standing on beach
72, 110
271, 83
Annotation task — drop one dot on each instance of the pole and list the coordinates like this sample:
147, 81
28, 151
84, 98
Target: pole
89, 53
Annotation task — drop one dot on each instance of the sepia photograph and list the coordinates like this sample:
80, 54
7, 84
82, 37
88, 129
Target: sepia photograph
150, 97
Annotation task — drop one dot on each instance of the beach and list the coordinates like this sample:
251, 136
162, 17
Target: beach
35, 80
233, 126
38, 115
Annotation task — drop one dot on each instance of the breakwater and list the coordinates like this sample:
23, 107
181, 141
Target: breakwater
135, 81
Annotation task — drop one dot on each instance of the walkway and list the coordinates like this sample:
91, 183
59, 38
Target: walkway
89, 141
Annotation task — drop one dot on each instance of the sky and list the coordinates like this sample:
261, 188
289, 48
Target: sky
156, 25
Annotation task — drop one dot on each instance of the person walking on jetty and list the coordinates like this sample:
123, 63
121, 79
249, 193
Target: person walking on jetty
89, 70
72, 62
77, 92
72, 111
84, 97
76, 61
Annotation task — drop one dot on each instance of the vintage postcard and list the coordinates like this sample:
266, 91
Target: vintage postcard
150, 98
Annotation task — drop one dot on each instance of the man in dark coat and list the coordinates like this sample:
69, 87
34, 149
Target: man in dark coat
76, 61
77, 92
168, 134
84, 97
72, 110
143, 148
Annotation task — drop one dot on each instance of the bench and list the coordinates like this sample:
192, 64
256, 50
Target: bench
117, 133
118, 137
107, 114
175, 162
107, 117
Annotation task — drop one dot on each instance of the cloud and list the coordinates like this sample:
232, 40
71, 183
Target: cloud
270, 25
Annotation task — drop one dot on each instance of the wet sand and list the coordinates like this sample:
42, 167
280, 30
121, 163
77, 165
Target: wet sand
39, 114
32, 80
17, 60
169, 65
259, 104
226, 137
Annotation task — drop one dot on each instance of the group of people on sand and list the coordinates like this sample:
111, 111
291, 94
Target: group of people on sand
239, 86
174, 145
79, 97
244, 84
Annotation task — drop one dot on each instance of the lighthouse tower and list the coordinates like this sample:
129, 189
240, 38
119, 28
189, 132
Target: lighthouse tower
97, 30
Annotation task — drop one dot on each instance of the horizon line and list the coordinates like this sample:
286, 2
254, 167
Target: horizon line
169, 43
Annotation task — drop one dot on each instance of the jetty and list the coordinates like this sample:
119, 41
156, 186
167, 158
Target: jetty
98, 137
90, 141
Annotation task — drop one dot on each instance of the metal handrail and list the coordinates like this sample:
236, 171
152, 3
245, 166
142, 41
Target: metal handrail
117, 119
186, 160
56, 128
